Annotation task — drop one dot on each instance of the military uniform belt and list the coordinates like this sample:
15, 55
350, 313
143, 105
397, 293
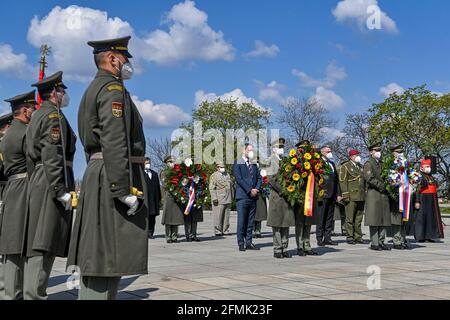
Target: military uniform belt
99, 156
69, 164
18, 176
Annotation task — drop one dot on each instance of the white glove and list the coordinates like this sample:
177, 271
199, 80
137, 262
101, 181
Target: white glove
132, 202
66, 200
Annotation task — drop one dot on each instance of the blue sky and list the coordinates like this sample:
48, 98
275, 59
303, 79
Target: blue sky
188, 51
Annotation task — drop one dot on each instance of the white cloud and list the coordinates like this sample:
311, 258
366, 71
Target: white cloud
387, 90
356, 11
331, 133
67, 30
14, 63
189, 38
160, 115
333, 74
328, 98
236, 94
262, 50
271, 91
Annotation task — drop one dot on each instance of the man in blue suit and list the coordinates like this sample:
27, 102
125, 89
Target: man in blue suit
248, 183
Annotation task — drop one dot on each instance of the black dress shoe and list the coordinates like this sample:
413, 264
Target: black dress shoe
385, 247
286, 254
430, 241
334, 234
375, 248
360, 241
421, 241
175, 241
196, 239
189, 239
351, 242
406, 246
301, 252
169, 241
241, 248
320, 243
331, 243
252, 247
150, 236
311, 253
398, 247
278, 255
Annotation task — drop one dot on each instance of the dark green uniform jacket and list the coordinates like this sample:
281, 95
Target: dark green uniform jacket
173, 212
48, 225
352, 181
281, 214
105, 240
15, 194
377, 211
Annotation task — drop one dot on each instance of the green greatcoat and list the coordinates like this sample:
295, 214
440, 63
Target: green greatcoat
173, 212
377, 211
261, 209
281, 214
15, 195
48, 225
106, 241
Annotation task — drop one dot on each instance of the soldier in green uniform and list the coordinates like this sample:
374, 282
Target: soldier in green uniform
377, 212
109, 237
5, 122
353, 190
398, 227
281, 215
303, 223
15, 194
50, 150
173, 213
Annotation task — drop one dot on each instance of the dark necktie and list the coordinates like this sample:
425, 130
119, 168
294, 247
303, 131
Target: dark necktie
250, 169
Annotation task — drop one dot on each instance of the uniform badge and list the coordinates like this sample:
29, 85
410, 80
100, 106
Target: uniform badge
117, 109
55, 134
115, 87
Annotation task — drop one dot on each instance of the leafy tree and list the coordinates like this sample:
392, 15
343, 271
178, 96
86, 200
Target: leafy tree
419, 119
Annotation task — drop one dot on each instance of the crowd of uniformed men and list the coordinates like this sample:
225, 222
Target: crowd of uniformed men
120, 193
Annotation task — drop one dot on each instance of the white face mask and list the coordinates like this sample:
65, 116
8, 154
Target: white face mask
426, 170
222, 170
127, 70
400, 156
280, 151
171, 165
329, 156
377, 155
147, 166
358, 159
251, 155
64, 101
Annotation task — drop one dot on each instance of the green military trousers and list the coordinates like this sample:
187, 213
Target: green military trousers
13, 277
399, 237
377, 235
354, 213
2, 280
99, 288
257, 228
280, 239
302, 237
37, 271
190, 227
171, 232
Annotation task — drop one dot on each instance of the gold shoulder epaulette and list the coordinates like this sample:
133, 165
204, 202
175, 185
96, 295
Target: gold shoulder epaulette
55, 115
113, 87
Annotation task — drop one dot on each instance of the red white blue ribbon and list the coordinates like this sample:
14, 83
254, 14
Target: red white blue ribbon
191, 198
404, 196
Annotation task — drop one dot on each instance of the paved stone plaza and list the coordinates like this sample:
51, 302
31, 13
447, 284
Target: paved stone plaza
215, 269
